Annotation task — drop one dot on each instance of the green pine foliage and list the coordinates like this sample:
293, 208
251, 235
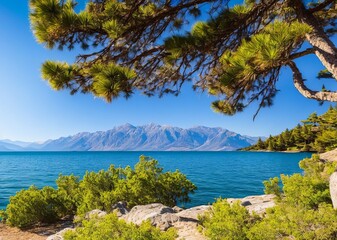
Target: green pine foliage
227, 222
146, 183
303, 209
290, 222
316, 134
236, 53
32, 206
272, 186
111, 228
267, 50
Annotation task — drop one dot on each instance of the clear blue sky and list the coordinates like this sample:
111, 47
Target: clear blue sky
31, 111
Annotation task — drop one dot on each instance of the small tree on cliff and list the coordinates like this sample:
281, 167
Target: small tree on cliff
237, 53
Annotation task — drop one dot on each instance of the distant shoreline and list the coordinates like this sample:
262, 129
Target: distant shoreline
288, 151
145, 151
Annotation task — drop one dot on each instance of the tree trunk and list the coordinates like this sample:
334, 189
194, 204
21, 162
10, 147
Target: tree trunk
305, 91
324, 48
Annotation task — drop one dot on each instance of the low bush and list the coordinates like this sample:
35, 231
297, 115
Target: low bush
32, 206
146, 183
286, 221
111, 228
303, 210
227, 221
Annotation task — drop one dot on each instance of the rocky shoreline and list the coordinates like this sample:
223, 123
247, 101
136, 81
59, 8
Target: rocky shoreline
161, 216
184, 220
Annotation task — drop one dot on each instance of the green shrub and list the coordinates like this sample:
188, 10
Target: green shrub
227, 221
272, 187
289, 222
3, 216
32, 206
147, 183
305, 191
327, 140
310, 189
69, 191
303, 209
109, 227
316, 168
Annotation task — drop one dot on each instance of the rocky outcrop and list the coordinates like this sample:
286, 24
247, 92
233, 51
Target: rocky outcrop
185, 221
158, 214
187, 226
59, 235
257, 204
120, 209
94, 213
163, 217
329, 156
333, 189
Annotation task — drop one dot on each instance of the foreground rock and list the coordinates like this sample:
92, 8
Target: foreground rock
120, 209
94, 213
257, 204
333, 189
187, 227
329, 156
59, 235
159, 215
185, 221
163, 217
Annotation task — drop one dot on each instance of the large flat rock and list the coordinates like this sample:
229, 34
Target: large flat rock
185, 221
257, 204
329, 156
159, 215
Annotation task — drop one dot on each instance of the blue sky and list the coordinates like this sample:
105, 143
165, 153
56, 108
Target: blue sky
31, 111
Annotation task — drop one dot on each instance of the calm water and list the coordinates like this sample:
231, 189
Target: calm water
226, 174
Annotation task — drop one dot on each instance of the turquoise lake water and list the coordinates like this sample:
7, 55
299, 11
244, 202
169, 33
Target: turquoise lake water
225, 174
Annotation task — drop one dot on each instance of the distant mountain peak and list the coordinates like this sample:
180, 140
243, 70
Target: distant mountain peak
128, 125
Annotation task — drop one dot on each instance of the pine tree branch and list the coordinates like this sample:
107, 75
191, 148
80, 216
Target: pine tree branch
321, 6
325, 48
305, 91
301, 54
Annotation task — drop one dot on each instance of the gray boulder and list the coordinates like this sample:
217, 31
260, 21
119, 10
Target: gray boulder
120, 209
257, 204
193, 213
59, 235
333, 189
185, 221
330, 156
95, 213
158, 214
177, 209
187, 226
163, 217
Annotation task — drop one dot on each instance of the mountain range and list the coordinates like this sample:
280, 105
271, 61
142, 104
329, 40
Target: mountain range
150, 137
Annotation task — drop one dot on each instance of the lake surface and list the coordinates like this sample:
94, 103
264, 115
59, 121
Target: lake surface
216, 174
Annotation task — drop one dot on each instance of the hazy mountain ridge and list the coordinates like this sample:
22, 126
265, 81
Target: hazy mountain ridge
5, 145
150, 137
